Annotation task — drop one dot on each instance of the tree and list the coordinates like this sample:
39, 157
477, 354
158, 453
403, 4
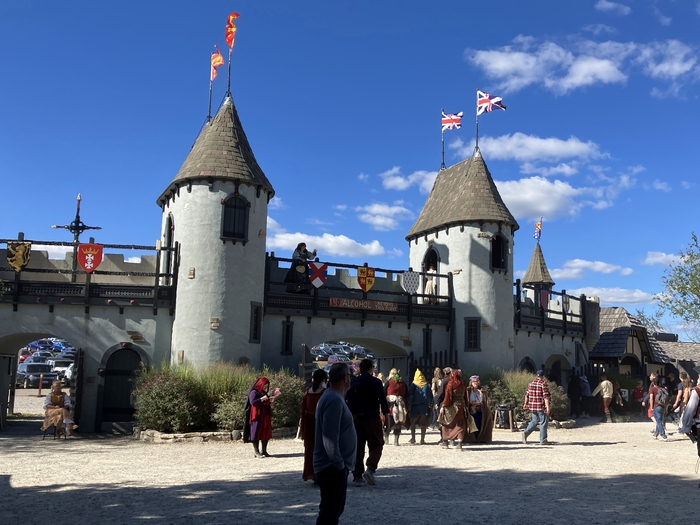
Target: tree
681, 295
652, 322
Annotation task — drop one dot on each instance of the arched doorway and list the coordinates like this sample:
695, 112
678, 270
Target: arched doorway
116, 411
527, 365
558, 369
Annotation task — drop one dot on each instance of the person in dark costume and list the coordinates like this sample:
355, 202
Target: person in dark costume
298, 273
308, 421
257, 426
480, 411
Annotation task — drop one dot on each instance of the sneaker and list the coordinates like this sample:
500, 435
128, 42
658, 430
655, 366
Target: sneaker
523, 436
368, 476
664, 438
358, 482
545, 442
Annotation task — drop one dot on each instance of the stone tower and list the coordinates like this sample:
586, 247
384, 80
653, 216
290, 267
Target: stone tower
215, 209
466, 229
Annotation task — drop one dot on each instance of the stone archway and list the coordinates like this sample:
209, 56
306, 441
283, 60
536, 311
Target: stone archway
527, 365
558, 369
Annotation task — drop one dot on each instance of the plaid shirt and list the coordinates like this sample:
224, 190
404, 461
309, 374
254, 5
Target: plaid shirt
537, 392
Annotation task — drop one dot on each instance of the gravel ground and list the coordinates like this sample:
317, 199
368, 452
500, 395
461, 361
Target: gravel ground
592, 474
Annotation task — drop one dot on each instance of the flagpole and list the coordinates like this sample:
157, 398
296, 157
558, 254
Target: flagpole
477, 122
442, 165
228, 86
211, 81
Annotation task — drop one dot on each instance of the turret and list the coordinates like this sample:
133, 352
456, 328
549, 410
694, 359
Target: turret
215, 209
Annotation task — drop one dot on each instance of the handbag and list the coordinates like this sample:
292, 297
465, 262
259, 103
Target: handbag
447, 416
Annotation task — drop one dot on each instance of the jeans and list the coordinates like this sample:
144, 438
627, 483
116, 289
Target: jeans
659, 413
334, 488
543, 420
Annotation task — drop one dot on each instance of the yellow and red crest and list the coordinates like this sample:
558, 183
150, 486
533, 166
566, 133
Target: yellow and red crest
365, 278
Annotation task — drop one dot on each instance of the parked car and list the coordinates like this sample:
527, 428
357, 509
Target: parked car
338, 358
23, 354
60, 365
28, 375
43, 353
320, 352
60, 344
66, 355
40, 344
35, 359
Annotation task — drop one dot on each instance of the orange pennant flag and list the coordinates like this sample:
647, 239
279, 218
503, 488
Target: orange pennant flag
231, 29
216, 60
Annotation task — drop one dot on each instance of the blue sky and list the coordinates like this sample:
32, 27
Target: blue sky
341, 103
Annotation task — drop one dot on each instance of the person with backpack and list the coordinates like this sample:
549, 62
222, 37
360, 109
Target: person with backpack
658, 400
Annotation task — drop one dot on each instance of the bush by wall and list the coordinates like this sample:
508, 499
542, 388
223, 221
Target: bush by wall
181, 399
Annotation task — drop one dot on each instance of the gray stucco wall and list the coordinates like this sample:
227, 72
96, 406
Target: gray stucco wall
217, 281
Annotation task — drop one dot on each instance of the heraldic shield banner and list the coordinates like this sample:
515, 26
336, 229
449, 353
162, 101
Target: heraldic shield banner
89, 256
411, 280
18, 255
365, 278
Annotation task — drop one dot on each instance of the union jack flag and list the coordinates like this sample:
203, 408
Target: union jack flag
484, 102
451, 120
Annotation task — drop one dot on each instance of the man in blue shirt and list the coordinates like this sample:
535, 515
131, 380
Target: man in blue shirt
336, 445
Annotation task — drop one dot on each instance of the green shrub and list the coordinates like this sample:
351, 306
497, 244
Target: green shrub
229, 414
511, 388
163, 401
286, 409
559, 402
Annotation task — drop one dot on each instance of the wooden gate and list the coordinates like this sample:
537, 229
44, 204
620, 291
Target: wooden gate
116, 401
427, 364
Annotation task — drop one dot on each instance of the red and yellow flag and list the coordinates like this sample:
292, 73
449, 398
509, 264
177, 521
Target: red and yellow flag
216, 60
231, 29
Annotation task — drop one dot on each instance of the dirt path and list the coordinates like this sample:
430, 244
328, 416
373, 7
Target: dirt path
592, 475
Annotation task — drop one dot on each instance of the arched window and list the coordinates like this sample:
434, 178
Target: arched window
234, 225
499, 253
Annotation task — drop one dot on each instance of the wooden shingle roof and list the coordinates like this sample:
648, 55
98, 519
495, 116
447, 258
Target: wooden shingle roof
221, 151
681, 351
537, 272
463, 193
616, 326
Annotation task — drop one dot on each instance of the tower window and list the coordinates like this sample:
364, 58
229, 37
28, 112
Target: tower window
472, 334
287, 337
499, 252
234, 225
255, 322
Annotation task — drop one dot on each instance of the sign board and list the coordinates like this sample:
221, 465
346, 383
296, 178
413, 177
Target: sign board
362, 304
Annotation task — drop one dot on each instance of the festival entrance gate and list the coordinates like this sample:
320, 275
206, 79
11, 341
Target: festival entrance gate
117, 410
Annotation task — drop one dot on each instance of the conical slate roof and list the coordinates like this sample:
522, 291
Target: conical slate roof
462, 193
537, 272
221, 152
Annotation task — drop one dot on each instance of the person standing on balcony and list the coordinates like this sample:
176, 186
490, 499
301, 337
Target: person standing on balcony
298, 274
430, 288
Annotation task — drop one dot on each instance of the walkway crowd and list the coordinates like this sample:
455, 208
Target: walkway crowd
345, 416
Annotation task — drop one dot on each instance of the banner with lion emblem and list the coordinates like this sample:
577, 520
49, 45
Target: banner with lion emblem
18, 255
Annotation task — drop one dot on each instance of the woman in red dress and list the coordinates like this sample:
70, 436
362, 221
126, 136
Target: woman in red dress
258, 421
455, 408
308, 421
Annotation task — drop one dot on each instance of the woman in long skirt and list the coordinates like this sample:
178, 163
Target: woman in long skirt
258, 421
480, 411
308, 420
453, 411
57, 407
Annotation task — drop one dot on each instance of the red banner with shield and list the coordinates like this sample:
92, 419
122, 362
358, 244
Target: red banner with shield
89, 256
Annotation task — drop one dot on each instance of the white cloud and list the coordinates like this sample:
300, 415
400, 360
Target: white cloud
362, 176
581, 63
54, 252
660, 258
574, 269
636, 169
597, 29
317, 222
661, 185
393, 179
613, 7
529, 148
340, 207
384, 217
326, 244
615, 296
666, 60
687, 185
663, 20
276, 204
539, 197
562, 169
